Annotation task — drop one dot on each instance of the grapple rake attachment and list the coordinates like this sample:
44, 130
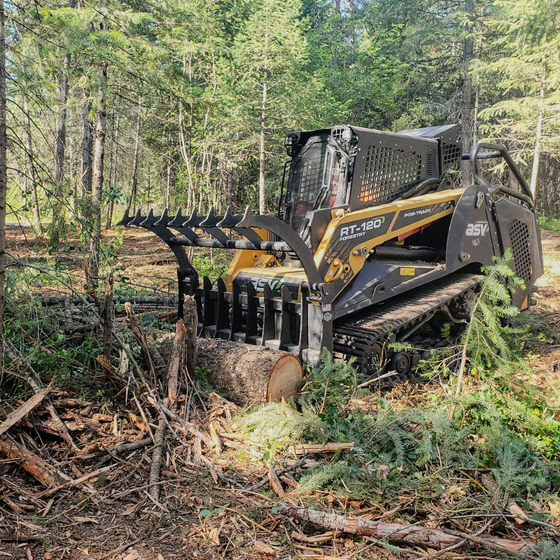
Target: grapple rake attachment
299, 323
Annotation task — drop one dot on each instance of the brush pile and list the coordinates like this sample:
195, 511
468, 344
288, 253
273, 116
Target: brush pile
166, 468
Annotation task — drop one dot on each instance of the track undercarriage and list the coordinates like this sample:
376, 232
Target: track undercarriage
368, 336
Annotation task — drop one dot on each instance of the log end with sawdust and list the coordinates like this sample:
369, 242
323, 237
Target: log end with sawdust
248, 374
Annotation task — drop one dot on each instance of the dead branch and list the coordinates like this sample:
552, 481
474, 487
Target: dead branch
398, 532
177, 352
38, 468
24, 409
189, 426
107, 315
157, 456
308, 449
74, 483
279, 473
36, 384
275, 483
191, 326
141, 338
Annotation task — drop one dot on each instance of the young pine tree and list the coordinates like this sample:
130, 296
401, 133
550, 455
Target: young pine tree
270, 77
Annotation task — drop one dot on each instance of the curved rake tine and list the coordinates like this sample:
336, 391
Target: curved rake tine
138, 218
125, 220
178, 219
229, 219
194, 220
164, 220
246, 221
210, 220
150, 219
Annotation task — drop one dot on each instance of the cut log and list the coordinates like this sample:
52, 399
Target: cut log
248, 374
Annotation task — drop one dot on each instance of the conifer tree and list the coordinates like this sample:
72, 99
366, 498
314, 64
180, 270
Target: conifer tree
269, 58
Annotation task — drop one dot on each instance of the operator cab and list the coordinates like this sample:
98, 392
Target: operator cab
353, 168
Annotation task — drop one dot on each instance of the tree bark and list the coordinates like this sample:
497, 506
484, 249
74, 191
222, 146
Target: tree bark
248, 374
57, 226
538, 139
262, 144
3, 176
113, 169
87, 157
27, 460
262, 154
108, 317
467, 176
134, 184
30, 159
97, 184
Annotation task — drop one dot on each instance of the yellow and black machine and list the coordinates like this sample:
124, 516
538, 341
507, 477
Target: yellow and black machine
373, 243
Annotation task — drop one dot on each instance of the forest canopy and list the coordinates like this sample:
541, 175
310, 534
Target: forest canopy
127, 104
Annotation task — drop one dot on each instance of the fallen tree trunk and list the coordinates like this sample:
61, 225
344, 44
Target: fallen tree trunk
248, 374
157, 300
398, 532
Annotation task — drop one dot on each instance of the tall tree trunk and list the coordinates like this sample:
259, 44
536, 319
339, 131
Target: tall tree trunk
134, 184
168, 185
30, 159
113, 170
87, 157
538, 138
98, 161
262, 154
466, 103
262, 144
3, 175
57, 227
229, 188
73, 174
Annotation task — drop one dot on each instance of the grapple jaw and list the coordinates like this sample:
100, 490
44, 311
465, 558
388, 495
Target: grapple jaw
250, 312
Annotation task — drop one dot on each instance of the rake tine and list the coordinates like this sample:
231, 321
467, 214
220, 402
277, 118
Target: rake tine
150, 219
229, 219
164, 220
194, 220
210, 219
125, 220
246, 221
189, 218
178, 219
138, 218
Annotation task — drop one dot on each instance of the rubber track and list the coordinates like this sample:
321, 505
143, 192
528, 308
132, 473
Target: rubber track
354, 334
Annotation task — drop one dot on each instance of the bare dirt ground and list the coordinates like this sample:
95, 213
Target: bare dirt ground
196, 516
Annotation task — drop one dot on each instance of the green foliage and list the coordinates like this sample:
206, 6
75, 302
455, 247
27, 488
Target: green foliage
213, 267
490, 339
504, 425
550, 224
329, 387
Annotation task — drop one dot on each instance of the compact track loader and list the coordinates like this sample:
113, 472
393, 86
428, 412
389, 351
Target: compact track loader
372, 243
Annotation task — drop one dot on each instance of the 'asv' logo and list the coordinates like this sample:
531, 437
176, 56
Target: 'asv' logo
480, 229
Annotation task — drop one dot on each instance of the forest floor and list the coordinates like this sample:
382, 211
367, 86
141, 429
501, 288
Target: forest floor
198, 515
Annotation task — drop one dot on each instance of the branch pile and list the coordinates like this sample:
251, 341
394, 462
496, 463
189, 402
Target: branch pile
160, 443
